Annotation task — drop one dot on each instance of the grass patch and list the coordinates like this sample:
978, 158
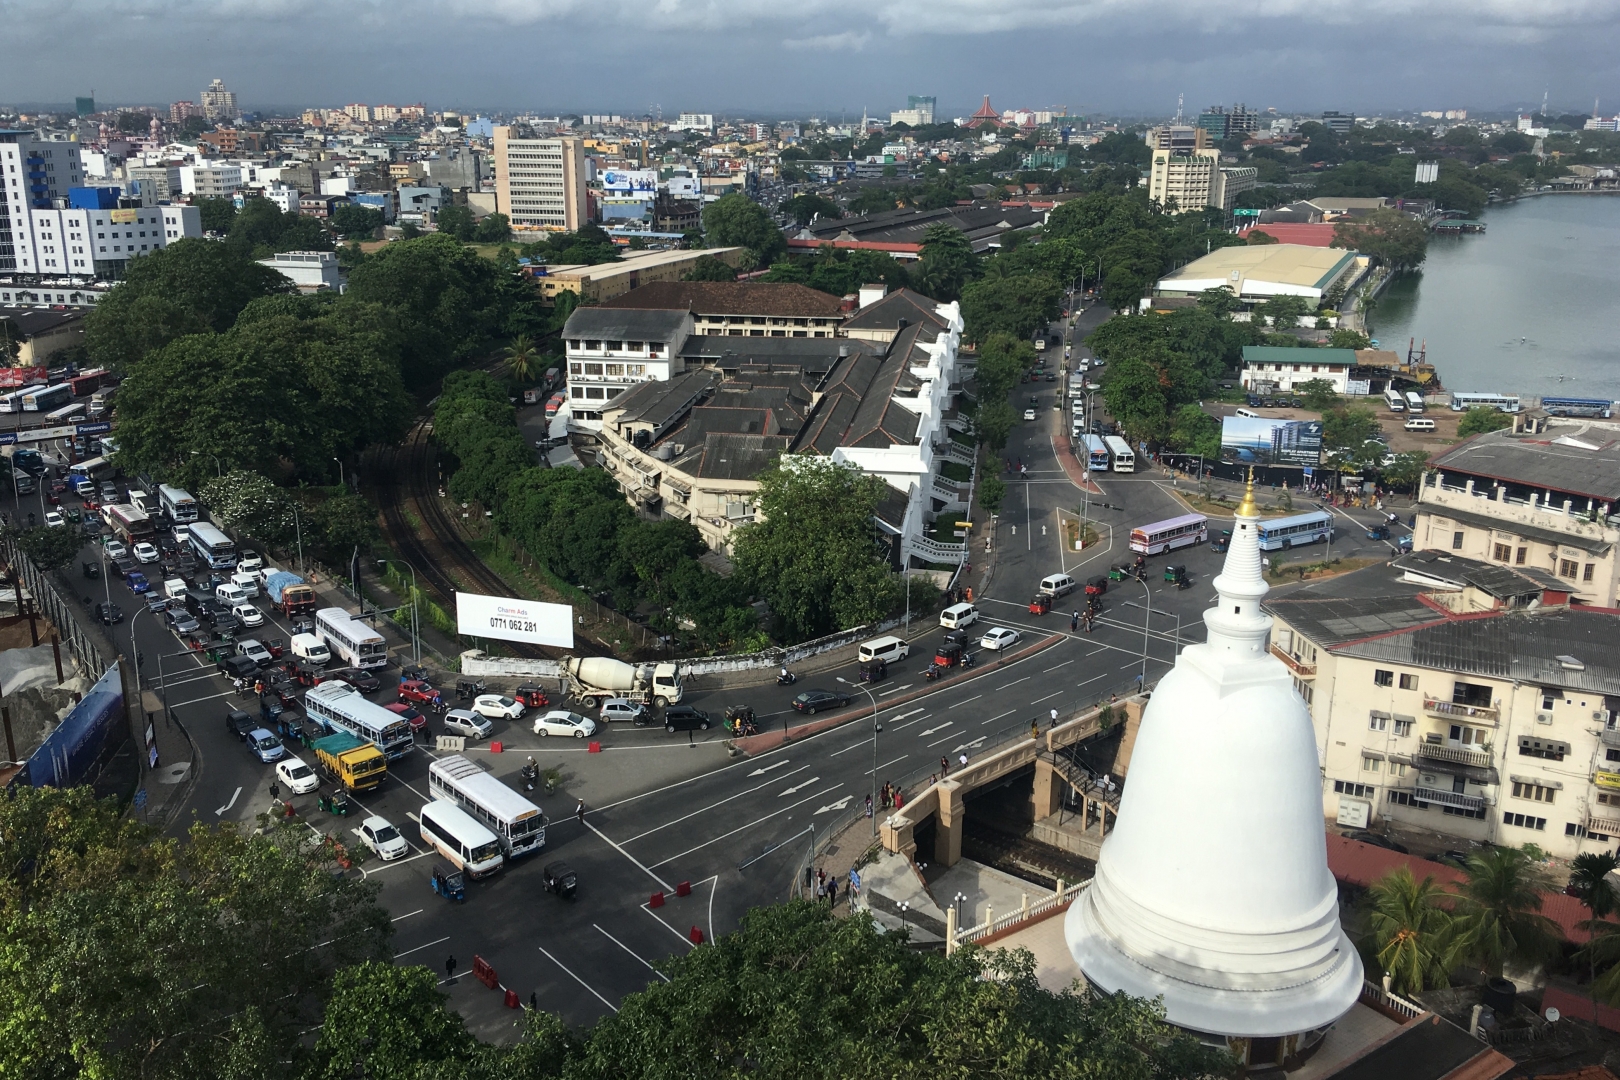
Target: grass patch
943, 530
1222, 506
963, 437
1279, 572
955, 470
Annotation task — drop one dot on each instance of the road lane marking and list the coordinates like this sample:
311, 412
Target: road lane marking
886, 764
946, 739
643, 866
838, 805
234, 796
1015, 682
768, 768
686, 940
998, 716
1054, 667
975, 697
408, 914
1048, 697
577, 979
1094, 652
632, 952
711, 806
908, 723
419, 948
934, 730
1093, 679
970, 745
749, 825
799, 787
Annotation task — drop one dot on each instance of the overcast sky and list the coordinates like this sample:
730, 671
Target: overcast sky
818, 57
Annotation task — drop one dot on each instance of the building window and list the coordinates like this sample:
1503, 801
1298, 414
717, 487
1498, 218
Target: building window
1406, 798
636, 369
593, 369
1524, 821
1520, 555
1567, 568
595, 393
1383, 678
1458, 811
1378, 722
576, 391
1397, 768
1549, 698
576, 369
1409, 682
1586, 572
1466, 736
593, 346
1533, 792
1502, 552
1403, 728
1608, 798
1360, 791
616, 369
1456, 541
1303, 689
1370, 764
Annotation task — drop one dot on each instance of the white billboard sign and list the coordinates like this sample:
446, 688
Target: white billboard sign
502, 617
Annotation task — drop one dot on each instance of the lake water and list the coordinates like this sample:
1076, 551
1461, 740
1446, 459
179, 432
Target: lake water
1530, 306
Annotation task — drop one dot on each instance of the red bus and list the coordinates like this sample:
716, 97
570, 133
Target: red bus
88, 382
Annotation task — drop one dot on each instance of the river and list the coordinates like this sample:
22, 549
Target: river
1527, 307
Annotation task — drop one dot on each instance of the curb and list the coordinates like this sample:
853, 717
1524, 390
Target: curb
771, 740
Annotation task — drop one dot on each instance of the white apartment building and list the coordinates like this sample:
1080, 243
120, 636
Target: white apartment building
100, 243
694, 122
36, 170
1188, 178
610, 350
540, 183
211, 181
217, 102
1455, 701
311, 271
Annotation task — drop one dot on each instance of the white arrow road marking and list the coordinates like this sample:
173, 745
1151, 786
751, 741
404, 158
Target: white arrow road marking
800, 787
930, 731
234, 795
970, 745
839, 805
768, 768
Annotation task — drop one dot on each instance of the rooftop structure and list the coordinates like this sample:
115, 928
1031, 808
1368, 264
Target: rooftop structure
985, 116
742, 308
1262, 272
605, 281
983, 224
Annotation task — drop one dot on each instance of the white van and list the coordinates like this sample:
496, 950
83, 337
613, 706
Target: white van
888, 649
229, 594
311, 648
957, 616
1250, 413
248, 583
1420, 423
1057, 585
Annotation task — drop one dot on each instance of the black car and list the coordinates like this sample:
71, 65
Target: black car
1220, 541
109, 613
685, 718
811, 700
363, 681
226, 623
239, 723
92, 570
238, 667
122, 567
1252, 401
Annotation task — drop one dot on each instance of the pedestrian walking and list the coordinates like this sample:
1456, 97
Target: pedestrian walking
821, 890
944, 765
236, 686
1074, 622
450, 968
275, 791
899, 801
579, 811
869, 806
1054, 718
832, 892
963, 759
534, 1001
821, 879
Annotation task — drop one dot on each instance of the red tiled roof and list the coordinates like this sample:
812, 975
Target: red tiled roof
1309, 234
1356, 863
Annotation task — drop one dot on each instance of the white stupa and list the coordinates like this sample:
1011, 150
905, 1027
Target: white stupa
1213, 890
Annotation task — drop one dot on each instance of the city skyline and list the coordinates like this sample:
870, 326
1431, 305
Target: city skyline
561, 56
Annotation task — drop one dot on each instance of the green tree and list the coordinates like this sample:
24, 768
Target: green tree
994, 422
50, 546
217, 214
127, 953
1194, 431
1002, 359
735, 220
189, 287
1499, 911
386, 1021
1284, 312
342, 525
1259, 237
1318, 394
250, 503
1588, 883
1349, 339
1411, 933
456, 221
814, 557
355, 222
1017, 306
1480, 419
520, 358
1220, 301
709, 268
261, 229
990, 492
1135, 396
1395, 239
808, 206
1347, 428
497, 229
1406, 470
947, 264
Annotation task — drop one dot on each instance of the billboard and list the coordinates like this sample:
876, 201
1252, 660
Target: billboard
123, 217
628, 181
68, 753
508, 619
1260, 440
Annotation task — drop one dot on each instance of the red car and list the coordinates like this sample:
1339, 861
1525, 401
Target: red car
409, 715
418, 692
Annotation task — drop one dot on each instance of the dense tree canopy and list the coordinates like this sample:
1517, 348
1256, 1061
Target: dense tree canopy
735, 220
1393, 238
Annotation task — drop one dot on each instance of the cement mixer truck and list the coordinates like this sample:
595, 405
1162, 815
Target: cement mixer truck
592, 679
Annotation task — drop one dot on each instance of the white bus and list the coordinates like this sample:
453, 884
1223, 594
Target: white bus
1096, 453
67, 414
464, 843
96, 468
12, 402
516, 821
212, 546
1414, 401
1288, 532
178, 504
1508, 403
100, 400
44, 399
343, 708
356, 643
1120, 451
1172, 533
1393, 398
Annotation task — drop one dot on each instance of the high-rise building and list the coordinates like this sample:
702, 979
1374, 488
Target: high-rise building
1242, 121
1212, 896
1191, 178
1214, 120
218, 103
922, 106
1178, 137
35, 170
181, 111
1339, 123
540, 183
84, 106
358, 113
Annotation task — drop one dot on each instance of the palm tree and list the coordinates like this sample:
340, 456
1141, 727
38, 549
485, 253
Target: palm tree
520, 358
1587, 882
1499, 911
1413, 937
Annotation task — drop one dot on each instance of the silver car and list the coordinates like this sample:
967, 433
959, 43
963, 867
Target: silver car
467, 723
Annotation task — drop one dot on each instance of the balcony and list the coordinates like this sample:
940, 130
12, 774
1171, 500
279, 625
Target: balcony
1611, 737
1449, 798
1606, 826
1457, 754
1296, 666
1453, 711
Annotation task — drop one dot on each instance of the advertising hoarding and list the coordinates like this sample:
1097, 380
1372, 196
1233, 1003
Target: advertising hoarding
509, 619
626, 181
1261, 440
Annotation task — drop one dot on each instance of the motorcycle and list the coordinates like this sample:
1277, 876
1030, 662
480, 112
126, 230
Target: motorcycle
786, 678
531, 775
931, 672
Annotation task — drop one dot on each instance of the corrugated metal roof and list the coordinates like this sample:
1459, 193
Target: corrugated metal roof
1589, 466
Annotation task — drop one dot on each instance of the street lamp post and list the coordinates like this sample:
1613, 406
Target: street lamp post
341, 482
416, 650
298, 530
1147, 628
876, 727
135, 648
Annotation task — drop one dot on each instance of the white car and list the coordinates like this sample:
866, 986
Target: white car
145, 553
250, 615
116, 549
54, 519
1029, 414
467, 724
998, 637
497, 707
249, 562
562, 722
253, 650
299, 778
378, 834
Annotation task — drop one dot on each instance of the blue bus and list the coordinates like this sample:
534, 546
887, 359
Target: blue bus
1096, 451
1297, 529
1599, 408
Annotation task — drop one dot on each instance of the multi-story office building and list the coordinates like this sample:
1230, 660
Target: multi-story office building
1178, 138
36, 170
1216, 121
1242, 121
211, 181
96, 234
1234, 181
181, 111
540, 183
161, 182
1189, 178
217, 102
1339, 123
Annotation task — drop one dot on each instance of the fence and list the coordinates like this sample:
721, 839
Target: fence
62, 614
1383, 1000
1028, 913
